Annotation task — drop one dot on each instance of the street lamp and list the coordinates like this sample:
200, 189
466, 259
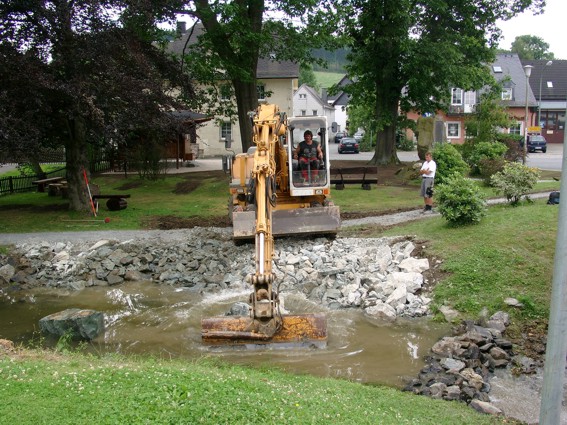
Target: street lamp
528, 72
539, 102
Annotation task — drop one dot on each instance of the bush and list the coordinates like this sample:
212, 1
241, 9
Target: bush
404, 144
488, 167
460, 201
515, 181
484, 150
514, 144
449, 161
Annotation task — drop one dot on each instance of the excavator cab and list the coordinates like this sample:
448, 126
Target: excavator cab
311, 174
303, 204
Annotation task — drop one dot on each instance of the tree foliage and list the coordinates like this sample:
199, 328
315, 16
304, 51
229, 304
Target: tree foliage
95, 79
239, 33
407, 54
531, 47
307, 76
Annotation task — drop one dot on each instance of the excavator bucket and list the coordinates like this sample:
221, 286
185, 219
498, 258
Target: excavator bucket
305, 330
288, 222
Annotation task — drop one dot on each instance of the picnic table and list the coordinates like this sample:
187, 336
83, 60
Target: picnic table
43, 183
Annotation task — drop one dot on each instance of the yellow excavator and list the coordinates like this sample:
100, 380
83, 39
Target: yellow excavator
271, 195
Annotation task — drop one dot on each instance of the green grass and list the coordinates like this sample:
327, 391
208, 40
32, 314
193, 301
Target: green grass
173, 196
37, 212
76, 389
27, 171
327, 79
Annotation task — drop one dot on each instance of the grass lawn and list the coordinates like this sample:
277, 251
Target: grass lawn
327, 79
73, 389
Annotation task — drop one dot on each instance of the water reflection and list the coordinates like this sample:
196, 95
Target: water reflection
146, 318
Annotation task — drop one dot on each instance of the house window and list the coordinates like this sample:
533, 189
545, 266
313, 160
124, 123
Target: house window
497, 69
225, 92
302, 96
226, 130
303, 112
261, 89
314, 111
470, 98
453, 130
456, 96
507, 94
516, 128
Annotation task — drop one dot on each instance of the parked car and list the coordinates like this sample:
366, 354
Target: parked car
358, 136
537, 142
348, 144
339, 136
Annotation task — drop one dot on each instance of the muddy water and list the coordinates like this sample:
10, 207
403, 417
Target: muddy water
165, 321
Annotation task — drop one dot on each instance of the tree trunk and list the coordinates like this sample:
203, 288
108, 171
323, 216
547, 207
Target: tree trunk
385, 151
77, 161
246, 101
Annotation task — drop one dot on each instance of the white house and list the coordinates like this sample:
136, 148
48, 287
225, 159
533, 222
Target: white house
306, 101
276, 83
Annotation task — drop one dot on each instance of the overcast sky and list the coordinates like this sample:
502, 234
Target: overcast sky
551, 27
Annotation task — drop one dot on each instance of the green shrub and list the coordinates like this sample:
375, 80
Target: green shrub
515, 181
404, 144
488, 167
449, 161
513, 142
484, 150
460, 201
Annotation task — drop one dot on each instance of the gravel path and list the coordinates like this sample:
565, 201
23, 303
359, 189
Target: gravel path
181, 234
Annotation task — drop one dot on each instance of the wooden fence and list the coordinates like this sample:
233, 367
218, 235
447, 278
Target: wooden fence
16, 184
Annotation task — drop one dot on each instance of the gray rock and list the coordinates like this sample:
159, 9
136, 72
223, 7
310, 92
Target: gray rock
80, 324
485, 407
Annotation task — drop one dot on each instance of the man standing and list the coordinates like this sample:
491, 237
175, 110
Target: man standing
308, 153
427, 173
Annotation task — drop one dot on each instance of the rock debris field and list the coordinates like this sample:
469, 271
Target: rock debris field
379, 276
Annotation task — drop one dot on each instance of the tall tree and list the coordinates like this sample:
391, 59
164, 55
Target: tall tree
307, 76
406, 54
238, 33
531, 47
96, 78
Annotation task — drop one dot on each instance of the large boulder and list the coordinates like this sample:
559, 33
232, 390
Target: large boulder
81, 324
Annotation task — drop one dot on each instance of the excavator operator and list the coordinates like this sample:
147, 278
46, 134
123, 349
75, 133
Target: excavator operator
308, 153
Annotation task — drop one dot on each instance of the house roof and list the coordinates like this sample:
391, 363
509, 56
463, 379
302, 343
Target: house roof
341, 98
190, 116
508, 65
556, 73
267, 68
314, 95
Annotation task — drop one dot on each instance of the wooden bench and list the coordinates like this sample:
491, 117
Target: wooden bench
43, 183
54, 189
115, 202
365, 176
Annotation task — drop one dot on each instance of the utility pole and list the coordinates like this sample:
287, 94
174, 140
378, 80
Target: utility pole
528, 72
554, 369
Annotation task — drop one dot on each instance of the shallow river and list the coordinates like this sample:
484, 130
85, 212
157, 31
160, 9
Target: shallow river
165, 321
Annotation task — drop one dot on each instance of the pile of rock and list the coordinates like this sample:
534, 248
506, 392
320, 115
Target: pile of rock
460, 366
377, 275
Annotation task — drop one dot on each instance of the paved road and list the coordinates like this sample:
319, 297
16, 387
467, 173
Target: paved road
551, 160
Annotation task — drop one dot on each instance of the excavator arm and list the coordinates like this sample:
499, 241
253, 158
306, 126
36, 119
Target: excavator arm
266, 324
